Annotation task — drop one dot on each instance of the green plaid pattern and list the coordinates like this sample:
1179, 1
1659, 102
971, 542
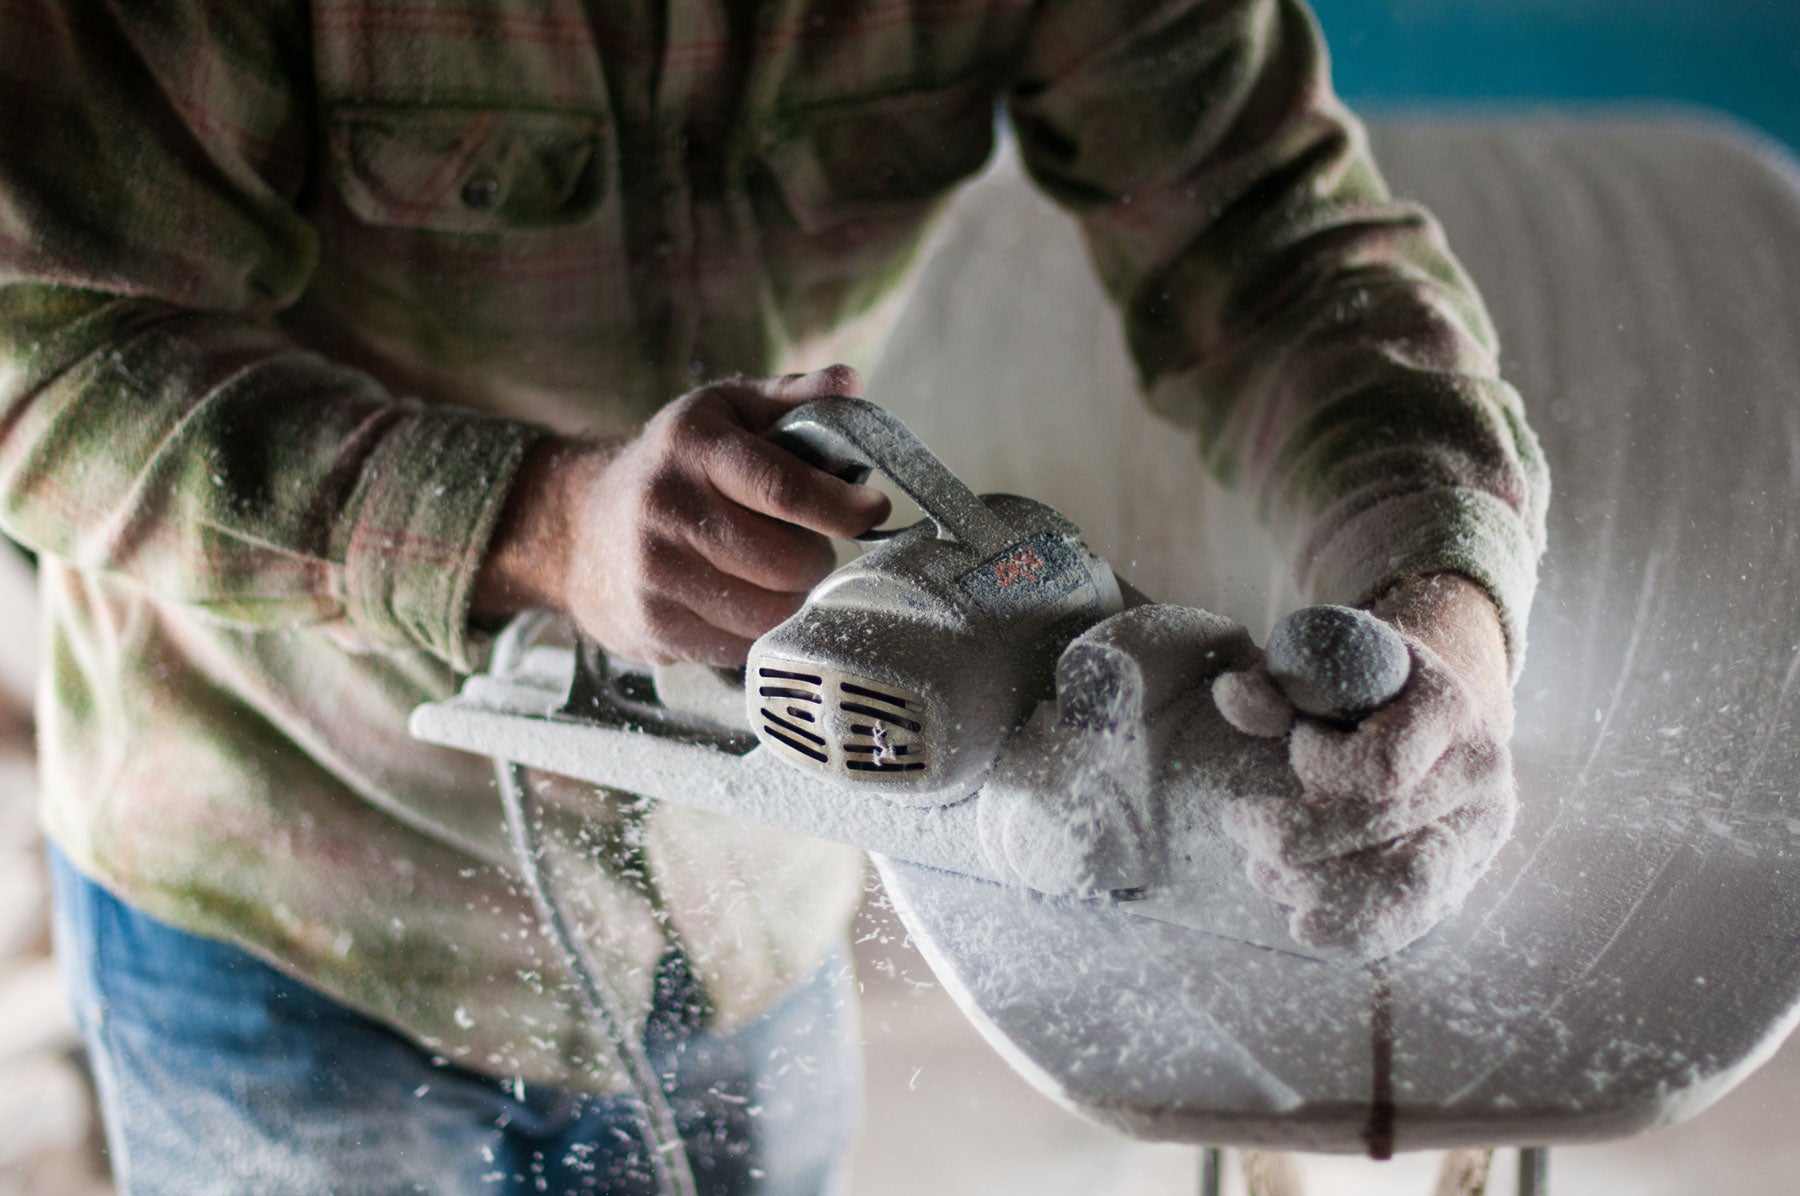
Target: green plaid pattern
286, 291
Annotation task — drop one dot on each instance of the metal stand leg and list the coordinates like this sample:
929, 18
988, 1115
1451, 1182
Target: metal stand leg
1534, 1171
1212, 1170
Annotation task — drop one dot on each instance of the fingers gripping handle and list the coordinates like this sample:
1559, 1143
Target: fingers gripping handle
848, 438
1337, 663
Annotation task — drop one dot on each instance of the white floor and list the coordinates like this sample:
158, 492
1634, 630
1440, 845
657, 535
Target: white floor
946, 1115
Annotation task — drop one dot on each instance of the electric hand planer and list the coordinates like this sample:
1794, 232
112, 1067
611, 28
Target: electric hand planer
874, 714
907, 668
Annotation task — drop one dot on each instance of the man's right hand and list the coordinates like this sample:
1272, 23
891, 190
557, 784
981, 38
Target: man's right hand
687, 541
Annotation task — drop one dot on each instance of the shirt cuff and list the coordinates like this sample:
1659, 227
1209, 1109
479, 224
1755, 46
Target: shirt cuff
419, 522
1470, 532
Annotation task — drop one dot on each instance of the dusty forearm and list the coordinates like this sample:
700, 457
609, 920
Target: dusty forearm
528, 560
1457, 620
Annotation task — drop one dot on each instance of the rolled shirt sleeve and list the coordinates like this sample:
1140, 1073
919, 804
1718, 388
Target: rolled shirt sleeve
156, 423
1333, 358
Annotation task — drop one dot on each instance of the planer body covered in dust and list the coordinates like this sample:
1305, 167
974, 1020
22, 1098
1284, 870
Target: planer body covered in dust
906, 669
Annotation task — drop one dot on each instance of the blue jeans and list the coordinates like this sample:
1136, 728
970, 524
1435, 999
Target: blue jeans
218, 1073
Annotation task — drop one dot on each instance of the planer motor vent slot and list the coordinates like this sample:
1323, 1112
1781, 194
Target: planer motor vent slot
859, 729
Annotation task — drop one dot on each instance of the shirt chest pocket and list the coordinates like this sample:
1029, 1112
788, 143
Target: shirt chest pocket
469, 170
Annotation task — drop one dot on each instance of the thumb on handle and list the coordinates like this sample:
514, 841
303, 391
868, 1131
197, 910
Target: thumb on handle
845, 434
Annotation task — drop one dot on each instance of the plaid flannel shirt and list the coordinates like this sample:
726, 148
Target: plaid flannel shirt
286, 291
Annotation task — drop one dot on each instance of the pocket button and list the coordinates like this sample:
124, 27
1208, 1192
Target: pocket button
480, 193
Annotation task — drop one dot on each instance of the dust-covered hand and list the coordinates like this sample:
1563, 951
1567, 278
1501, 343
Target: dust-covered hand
687, 541
1402, 813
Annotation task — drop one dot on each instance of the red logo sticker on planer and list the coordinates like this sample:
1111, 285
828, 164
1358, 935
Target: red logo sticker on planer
1033, 582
